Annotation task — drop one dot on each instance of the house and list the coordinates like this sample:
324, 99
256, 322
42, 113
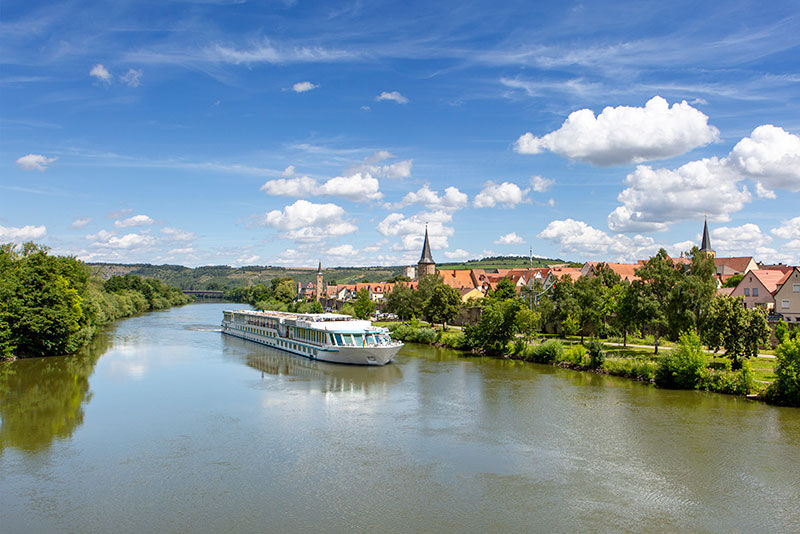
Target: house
787, 297
758, 288
626, 271
559, 271
738, 265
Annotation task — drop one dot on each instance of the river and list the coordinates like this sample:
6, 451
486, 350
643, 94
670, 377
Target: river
164, 424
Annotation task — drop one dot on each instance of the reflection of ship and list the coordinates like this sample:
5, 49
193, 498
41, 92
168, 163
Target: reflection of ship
330, 337
330, 376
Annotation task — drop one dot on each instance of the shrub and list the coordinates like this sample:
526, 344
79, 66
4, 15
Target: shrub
731, 382
786, 387
596, 354
414, 335
638, 369
683, 367
454, 340
548, 352
519, 347
575, 354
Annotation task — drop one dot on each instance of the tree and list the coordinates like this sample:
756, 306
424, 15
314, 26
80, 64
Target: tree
683, 367
496, 328
284, 290
659, 276
443, 305
401, 301
736, 329
691, 296
786, 387
527, 323
505, 290
733, 281
425, 288
570, 325
363, 306
781, 330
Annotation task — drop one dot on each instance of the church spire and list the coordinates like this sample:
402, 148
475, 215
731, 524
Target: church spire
426, 257
705, 246
319, 269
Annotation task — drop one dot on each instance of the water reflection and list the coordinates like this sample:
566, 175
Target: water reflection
42, 399
326, 377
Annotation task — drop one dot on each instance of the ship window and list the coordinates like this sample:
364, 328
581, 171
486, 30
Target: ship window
338, 338
358, 339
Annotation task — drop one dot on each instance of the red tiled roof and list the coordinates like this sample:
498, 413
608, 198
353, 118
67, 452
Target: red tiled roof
738, 264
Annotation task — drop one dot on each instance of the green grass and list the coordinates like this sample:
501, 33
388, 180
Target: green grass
763, 368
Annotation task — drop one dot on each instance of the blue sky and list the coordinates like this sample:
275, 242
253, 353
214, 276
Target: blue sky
252, 132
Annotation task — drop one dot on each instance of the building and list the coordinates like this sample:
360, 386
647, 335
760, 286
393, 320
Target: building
758, 288
410, 272
626, 271
318, 285
426, 265
787, 297
705, 244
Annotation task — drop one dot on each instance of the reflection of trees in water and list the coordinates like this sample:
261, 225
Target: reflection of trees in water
42, 399
332, 377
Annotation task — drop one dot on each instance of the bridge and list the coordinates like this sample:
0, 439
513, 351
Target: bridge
204, 294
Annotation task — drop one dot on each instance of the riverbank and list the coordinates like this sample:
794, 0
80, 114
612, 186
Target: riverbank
631, 362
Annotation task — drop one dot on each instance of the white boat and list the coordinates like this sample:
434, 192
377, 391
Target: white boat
328, 337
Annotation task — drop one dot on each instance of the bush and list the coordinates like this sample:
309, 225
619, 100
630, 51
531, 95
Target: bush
683, 367
454, 340
414, 335
575, 355
548, 352
596, 354
731, 382
638, 369
785, 389
519, 347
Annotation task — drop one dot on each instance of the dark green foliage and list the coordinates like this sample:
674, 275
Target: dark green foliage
738, 330
402, 302
685, 366
785, 389
729, 382
781, 331
597, 354
505, 290
548, 352
51, 305
363, 306
443, 305
733, 281
496, 328
414, 334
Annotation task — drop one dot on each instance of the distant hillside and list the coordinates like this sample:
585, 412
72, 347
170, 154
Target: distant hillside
225, 277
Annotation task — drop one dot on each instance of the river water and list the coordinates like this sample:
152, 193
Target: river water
164, 424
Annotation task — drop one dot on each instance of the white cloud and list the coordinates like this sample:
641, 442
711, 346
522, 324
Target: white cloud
393, 95
185, 250
738, 240
247, 260
370, 165
288, 171
107, 239
452, 199
357, 187
176, 234
301, 186
302, 87
136, 220
101, 74
411, 230
132, 78
541, 185
788, 229
80, 222
34, 162
625, 134
577, 237
457, 254
654, 198
25, 233
505, 194
509, 239
307, 221
342, 251
770, 156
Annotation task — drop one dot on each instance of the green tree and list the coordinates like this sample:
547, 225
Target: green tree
736, 329
659, 276
504, 290
363, 306
443, 305
348, 309
733, 281
683, 367
690, 297
425, 288
527, 323
285, 290
786, 387
570, 325
401, 301
781, 331
496, 327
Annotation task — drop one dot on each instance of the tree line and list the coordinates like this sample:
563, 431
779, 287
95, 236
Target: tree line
52, 305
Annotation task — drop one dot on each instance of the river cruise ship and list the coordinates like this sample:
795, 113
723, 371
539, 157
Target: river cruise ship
329, 337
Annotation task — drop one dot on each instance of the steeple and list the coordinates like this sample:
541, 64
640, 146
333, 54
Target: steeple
705, 245
426, 250
319, 269
318, 285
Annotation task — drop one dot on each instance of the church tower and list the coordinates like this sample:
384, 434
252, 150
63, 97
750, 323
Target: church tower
426, 265
705, 246
318, 287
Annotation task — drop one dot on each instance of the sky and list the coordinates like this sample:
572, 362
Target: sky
244, 132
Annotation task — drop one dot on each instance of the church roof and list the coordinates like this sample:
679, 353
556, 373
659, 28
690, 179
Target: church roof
706, 243
426, 257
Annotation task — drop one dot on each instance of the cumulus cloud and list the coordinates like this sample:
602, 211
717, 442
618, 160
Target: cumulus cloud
107, 239
625, 134
25, 233
411, 230
80, 222
577, 237
451, 199
541, 185
307, 221
357, 187
509, 239
288, 171
342, 251
770, 157
301, 186
136, 220
132, 78
457, 254
34, 162
394, 96
100, 73
184, 250
175, 234
506, 194
372, 165
788, 229
302, 87
738, 240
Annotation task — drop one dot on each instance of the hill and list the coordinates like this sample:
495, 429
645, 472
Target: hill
226, 277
